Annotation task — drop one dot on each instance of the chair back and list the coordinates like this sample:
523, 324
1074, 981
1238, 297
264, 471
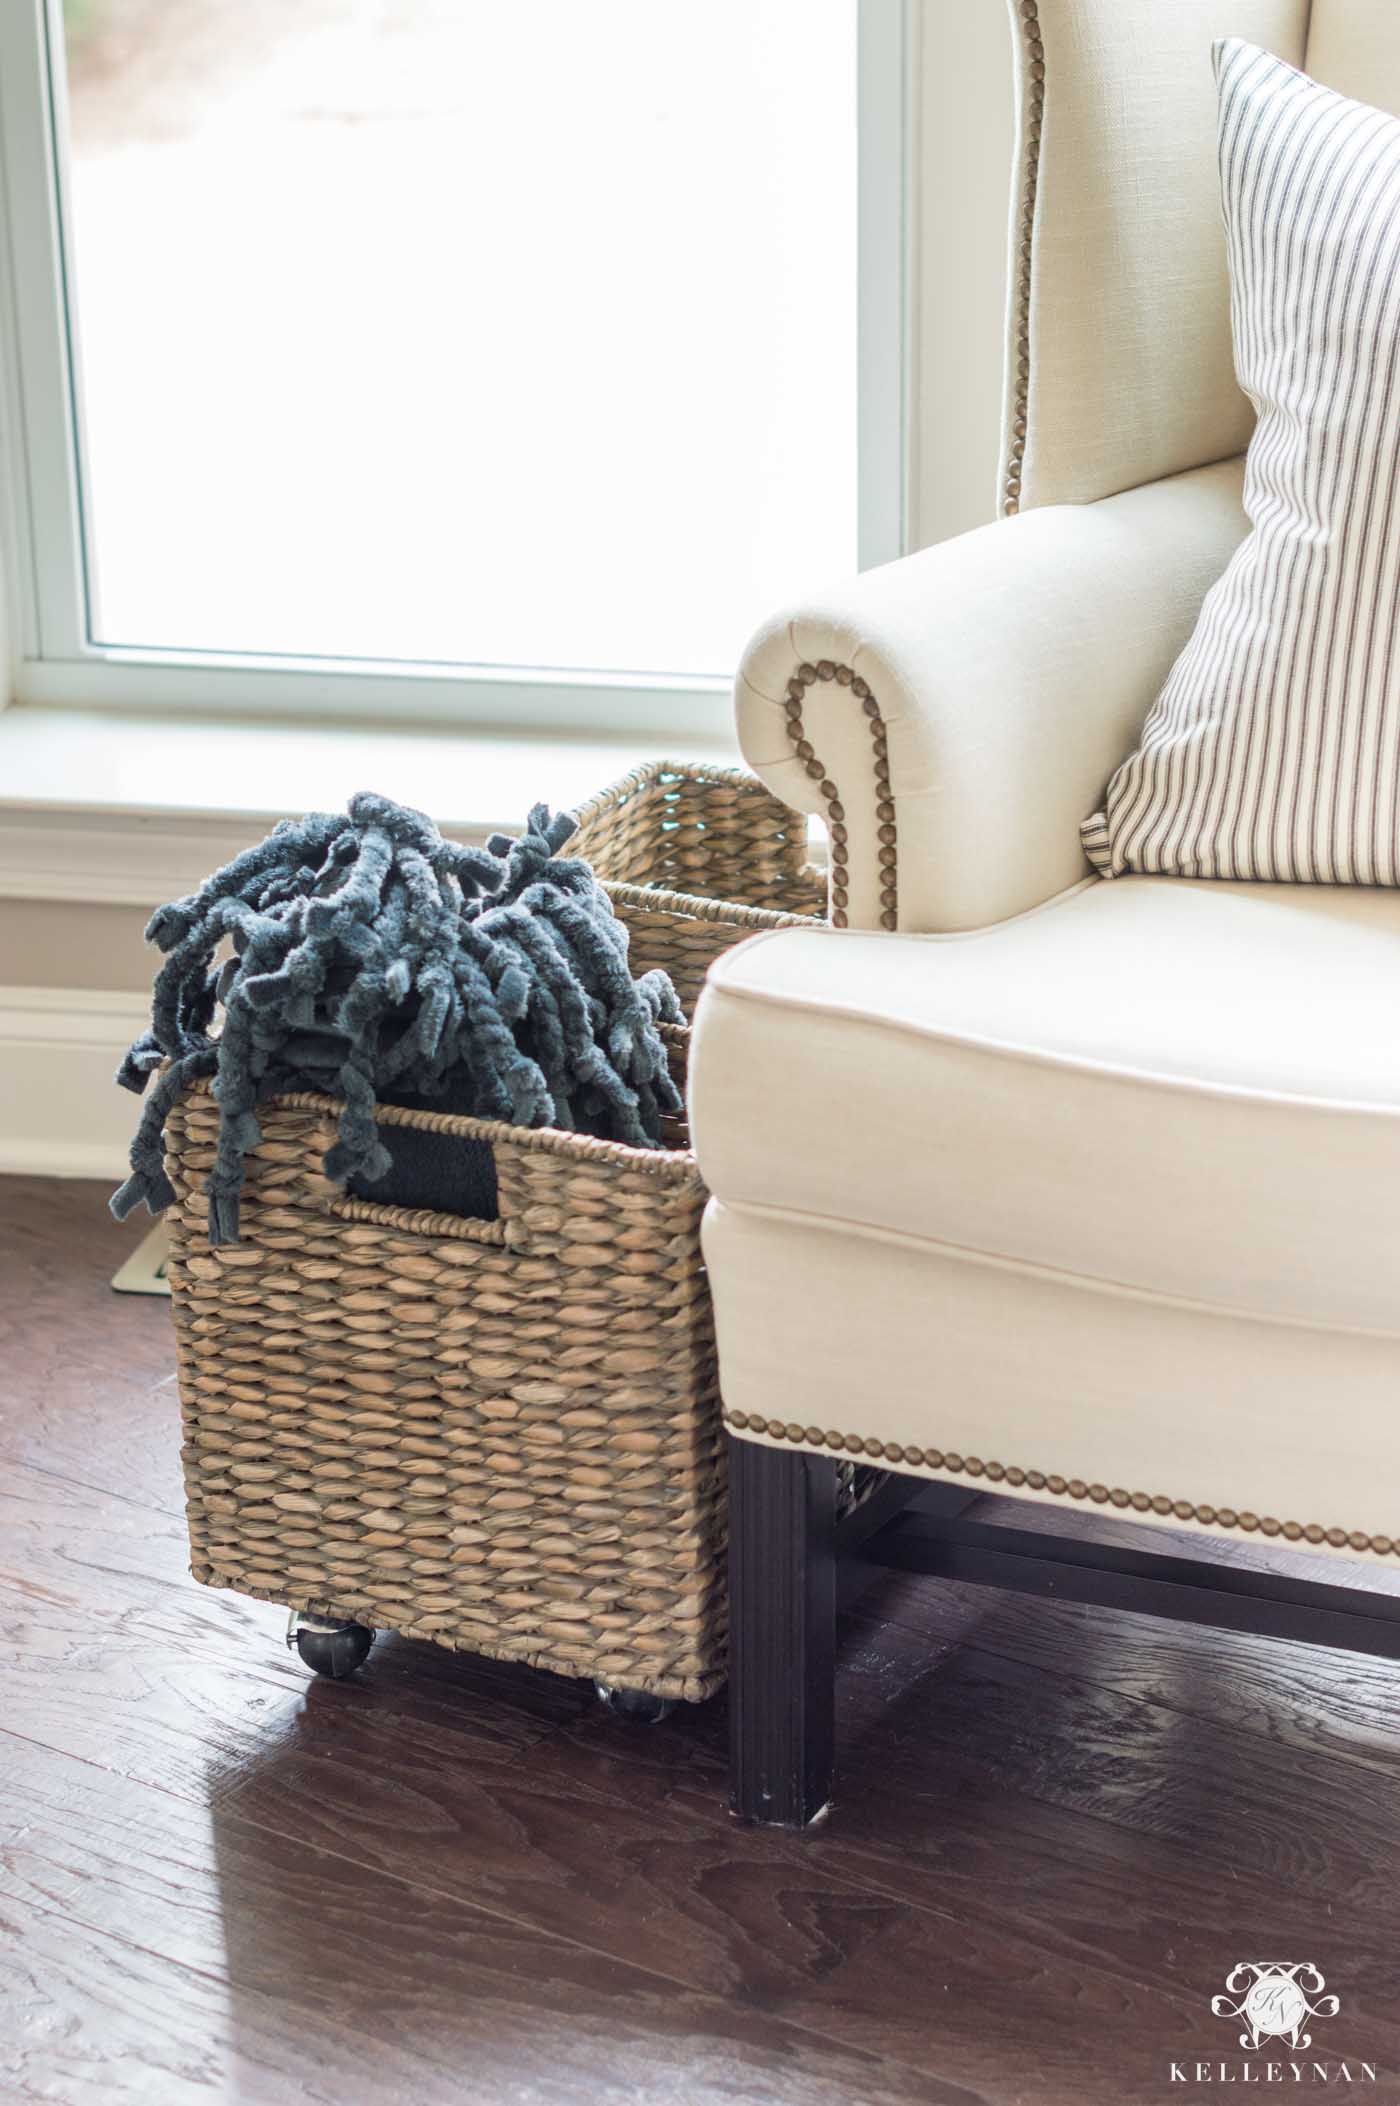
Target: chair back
1119, 366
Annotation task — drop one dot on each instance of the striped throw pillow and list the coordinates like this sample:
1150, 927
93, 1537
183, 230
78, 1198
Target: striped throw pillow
1273, 751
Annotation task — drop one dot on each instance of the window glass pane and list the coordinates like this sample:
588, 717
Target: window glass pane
452, 330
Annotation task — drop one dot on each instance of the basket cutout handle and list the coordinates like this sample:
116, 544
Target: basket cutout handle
435, 1176
439, 1184
420, 1221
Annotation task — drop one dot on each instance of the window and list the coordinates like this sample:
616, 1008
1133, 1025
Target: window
501, 362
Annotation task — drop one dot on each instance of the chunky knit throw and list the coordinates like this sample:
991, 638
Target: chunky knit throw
373, 959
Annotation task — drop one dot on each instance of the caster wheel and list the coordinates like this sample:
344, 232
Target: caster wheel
331, 1649
636, 1704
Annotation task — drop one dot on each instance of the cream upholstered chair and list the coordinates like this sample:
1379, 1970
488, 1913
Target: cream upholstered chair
1085, 1191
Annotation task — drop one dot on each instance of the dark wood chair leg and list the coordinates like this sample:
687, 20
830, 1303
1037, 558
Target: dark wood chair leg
782, 1633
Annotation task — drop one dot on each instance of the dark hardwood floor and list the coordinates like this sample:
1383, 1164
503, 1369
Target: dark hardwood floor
1056, 1830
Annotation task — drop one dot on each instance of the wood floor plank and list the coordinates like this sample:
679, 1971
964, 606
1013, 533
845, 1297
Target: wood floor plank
89, 1390
1308, 1819
164, 1948
1058, 2044
93, 2018
1089, 1900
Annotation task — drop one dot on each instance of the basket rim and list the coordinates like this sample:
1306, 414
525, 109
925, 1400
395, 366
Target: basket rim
721, 776
670, 1165
702, 906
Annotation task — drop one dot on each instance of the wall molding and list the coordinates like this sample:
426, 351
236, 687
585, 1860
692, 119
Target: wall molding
103, 809
112, 861
61, 1115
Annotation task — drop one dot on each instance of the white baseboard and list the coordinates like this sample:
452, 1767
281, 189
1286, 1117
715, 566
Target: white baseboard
61, 1114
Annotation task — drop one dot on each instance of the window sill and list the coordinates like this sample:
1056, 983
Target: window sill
132, 810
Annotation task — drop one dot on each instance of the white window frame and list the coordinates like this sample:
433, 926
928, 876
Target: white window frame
54, 660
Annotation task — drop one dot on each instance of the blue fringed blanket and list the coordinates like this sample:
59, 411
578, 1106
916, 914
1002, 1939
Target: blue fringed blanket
373, 960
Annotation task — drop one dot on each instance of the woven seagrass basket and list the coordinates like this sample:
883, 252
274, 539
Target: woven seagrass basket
502, 1434
696, 859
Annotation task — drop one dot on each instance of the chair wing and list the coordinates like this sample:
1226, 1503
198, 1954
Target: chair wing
1119, 367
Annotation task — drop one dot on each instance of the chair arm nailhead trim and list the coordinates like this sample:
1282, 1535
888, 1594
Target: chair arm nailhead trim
845, 676
1033, 88
1066, 1488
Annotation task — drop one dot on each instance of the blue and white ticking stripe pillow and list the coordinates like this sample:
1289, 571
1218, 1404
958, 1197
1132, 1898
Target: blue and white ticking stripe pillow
1273, 751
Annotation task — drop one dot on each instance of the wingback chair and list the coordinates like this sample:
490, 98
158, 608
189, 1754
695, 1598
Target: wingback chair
1085, 1192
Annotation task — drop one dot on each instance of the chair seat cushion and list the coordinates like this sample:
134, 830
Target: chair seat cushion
1185, 1089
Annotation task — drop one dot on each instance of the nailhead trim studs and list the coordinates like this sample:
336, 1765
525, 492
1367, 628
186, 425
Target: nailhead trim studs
804, 677
1067, 1488
1033, 48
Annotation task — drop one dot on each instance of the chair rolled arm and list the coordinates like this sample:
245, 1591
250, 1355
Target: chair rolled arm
953, 716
